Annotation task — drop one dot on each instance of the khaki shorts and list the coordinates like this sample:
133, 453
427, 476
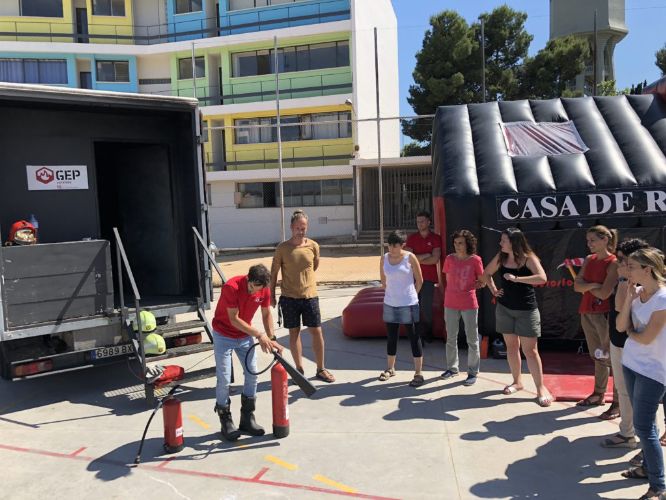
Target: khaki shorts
521, 323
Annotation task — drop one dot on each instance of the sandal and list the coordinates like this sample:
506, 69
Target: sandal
386, 374
545, 401
635, 473
511, 389
612, 413
650, 494
417, 381
637, 460
594, 399
620, 441
325, 375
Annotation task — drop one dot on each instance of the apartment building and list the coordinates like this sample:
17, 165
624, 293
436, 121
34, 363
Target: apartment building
222, 52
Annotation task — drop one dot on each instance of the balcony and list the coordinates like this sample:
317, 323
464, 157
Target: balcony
292, 156
264, 90
246, 21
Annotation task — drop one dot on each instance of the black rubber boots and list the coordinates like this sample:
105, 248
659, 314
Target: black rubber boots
229, 430
247, 422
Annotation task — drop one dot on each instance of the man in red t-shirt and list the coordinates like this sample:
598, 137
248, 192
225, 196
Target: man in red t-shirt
233, 331
427, 246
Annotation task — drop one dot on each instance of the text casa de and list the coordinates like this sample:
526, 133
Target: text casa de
581, 205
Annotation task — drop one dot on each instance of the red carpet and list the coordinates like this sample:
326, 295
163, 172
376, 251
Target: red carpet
570, 376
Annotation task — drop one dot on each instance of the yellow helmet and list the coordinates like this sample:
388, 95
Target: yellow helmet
148, 322
154, 344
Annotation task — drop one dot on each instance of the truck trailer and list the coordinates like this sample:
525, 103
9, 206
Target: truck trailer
117, 185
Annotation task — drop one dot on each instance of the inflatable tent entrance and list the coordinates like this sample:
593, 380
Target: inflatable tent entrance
552, 168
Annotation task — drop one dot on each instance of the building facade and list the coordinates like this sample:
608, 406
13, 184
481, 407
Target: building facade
572, 17
222, 52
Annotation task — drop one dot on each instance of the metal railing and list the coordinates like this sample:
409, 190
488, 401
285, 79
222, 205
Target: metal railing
123, 264
306, 156
264, 90
199, 242
228, 24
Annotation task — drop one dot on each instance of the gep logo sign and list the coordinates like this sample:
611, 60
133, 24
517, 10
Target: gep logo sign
47, 178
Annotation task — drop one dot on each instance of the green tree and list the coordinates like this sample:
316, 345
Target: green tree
415, 149
548, 74
506, 47
661, 60
441, 66
448, 66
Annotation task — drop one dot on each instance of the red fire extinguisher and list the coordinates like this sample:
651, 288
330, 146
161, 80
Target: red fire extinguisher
280, 394
173, 425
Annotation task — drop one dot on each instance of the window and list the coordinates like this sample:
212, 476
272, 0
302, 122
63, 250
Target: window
320, 126
310, 193
542, 138
185, 68
108, 8
113, 71
187, 6
41, 8
47, 71
290, 59
252, 4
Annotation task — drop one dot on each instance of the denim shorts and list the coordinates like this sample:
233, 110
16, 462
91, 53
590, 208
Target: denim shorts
405, 315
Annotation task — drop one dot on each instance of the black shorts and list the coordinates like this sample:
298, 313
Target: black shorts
294, 309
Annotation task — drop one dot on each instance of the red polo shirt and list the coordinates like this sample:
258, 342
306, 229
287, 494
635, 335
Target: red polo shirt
421, 245
234, 295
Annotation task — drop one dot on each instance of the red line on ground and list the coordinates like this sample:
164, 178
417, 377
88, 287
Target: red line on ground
165, 463
261, 473
74, 453
183, 472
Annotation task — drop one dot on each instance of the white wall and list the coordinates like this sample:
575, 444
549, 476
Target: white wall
366, 15
157, 66
9, 8
149, 13
233, 227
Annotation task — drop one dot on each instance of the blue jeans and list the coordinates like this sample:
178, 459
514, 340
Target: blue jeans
223, 346
646, 395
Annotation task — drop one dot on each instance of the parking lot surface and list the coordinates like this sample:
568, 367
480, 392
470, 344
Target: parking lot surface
76, 435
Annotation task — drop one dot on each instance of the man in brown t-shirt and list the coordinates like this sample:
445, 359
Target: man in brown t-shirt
298, 259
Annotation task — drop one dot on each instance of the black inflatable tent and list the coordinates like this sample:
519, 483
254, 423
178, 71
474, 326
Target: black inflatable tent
501, 164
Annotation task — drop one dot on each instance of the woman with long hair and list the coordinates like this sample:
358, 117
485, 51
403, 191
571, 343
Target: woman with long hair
643, 317
517, 315
401, 279
596, 281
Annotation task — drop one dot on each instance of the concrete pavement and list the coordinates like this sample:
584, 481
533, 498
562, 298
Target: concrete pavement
73, 435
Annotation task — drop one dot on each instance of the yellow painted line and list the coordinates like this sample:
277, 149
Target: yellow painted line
281, 463
334, 484
198, 421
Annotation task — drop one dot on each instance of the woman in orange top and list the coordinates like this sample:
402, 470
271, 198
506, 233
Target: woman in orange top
596, 281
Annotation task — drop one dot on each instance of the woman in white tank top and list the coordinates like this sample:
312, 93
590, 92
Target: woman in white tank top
643, 317
401, 279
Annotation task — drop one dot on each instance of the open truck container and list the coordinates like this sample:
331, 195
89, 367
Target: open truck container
101, 172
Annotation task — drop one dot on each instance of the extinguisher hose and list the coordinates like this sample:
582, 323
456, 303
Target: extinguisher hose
247, 366
160, 402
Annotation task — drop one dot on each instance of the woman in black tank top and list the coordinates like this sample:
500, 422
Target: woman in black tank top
516, 315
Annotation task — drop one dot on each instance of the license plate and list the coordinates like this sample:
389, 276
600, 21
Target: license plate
109, 352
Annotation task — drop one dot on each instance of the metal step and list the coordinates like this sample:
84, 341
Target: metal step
179, 327
175, 352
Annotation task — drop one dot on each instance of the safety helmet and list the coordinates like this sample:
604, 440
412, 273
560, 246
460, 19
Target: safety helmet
154, 344
22, 233
148, 322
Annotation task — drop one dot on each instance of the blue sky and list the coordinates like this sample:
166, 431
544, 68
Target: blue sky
634, 56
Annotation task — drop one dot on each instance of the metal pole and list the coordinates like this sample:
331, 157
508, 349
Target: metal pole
594, 57
279, 136
379, 153
194, 73
483, 58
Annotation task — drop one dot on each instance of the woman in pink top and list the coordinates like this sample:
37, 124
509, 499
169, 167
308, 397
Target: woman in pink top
463, 269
